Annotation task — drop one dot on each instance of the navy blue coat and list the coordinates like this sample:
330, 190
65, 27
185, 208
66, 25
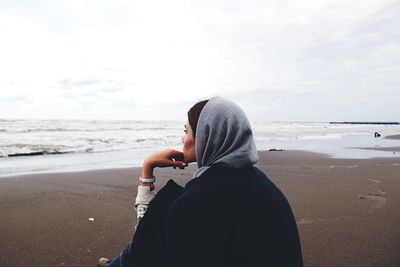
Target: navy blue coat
225, 217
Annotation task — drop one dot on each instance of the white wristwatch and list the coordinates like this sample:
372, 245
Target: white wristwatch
147, 180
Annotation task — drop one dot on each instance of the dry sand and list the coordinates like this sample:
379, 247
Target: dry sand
348, 211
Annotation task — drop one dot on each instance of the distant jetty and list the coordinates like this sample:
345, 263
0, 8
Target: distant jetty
366, 122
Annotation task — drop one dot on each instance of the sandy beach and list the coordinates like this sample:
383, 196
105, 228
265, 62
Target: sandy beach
347, 210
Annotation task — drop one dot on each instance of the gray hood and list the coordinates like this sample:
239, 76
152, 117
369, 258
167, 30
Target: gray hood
223, 137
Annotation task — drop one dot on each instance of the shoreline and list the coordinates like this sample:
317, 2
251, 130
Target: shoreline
304, 152
393, 137
346, 210
388, 149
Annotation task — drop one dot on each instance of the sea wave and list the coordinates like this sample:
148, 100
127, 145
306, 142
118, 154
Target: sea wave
24, 149
39, 137
44, 130
65, 145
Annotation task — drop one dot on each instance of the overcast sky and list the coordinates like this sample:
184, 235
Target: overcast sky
122, 59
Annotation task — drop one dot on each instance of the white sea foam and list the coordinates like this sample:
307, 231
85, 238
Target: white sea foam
95, 144
51, 137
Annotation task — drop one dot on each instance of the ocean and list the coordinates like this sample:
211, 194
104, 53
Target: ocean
33, 146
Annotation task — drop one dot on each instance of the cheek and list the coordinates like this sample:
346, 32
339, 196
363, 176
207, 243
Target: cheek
186, 143
192, 145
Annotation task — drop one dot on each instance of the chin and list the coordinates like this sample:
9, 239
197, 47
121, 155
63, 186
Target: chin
188, 159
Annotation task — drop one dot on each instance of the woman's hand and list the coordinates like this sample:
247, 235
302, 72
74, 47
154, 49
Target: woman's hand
164, 158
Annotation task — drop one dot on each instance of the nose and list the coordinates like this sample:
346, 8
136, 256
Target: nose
183, 139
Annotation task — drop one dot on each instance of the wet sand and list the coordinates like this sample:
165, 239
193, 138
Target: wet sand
393, 149
347, 210
396, 137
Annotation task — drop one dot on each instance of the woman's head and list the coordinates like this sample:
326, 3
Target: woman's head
223, 137
218, 133
194, 114
188, 140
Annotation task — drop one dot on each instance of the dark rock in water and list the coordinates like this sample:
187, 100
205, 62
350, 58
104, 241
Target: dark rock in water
377, 134
27, 154
274, 149
38, 153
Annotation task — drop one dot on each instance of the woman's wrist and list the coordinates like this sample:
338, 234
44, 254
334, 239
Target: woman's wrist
147, 170
147, 181
147, 173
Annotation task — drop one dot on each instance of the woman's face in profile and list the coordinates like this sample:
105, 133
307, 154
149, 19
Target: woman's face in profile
189, 152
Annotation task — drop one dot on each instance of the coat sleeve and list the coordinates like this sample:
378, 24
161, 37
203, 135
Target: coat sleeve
144, 195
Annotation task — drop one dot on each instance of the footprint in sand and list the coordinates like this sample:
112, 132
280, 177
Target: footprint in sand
380, 202
352, 166
378, 198
374, 180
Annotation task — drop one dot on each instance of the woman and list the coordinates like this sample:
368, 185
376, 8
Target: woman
229, 214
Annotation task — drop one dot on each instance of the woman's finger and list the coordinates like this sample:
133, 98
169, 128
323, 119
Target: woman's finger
179, 164
175, 154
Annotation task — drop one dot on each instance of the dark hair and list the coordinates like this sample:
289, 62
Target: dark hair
194, 114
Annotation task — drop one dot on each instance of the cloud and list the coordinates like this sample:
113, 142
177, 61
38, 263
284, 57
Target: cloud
127, 59
13, 99
68, 83
92, 91
114, 69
